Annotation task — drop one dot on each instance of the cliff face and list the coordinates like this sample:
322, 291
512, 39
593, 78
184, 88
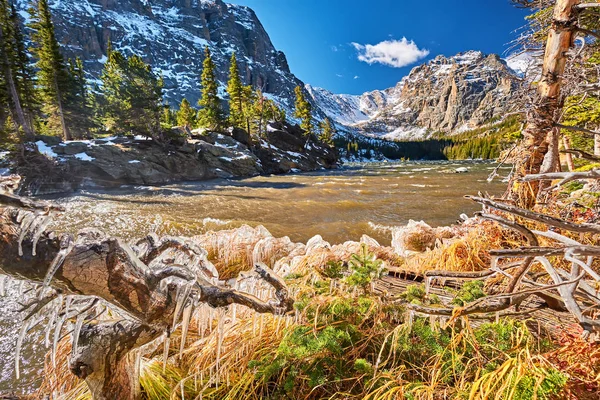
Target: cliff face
446, 94
171, 36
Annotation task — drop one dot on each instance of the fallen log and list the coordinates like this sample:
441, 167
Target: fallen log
149, 283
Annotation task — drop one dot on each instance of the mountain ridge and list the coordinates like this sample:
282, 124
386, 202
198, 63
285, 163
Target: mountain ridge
446, 94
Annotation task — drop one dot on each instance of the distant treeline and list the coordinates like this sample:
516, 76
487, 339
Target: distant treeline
482, 143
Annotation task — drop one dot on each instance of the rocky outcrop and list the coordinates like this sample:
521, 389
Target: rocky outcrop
111, 162
171, 36
446, 94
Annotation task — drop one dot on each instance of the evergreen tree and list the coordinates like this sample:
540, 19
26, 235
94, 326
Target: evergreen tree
304, 112
236, 96
17, 83
79, 103
168, 118
131, 95
53, 78
248, 107
186, 115
210, 115
327, 131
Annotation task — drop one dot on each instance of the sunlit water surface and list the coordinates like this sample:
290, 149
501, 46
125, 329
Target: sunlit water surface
340, 205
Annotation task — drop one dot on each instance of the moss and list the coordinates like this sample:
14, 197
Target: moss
570, 187
469, 292
362, 366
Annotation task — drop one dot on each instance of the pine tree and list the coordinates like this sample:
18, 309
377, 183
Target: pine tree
79, 112
248, 107
304, 112
210, 115
53, 79
327, 131
17, 91
132, 96
186, 115
168, 118
235, 91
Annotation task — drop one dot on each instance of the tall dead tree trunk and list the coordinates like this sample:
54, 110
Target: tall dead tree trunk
541, 133
145, 280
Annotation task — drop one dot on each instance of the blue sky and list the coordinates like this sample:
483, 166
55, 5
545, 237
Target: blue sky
323, 39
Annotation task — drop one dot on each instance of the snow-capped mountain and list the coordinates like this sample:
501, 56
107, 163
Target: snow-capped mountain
171, 36
446, 94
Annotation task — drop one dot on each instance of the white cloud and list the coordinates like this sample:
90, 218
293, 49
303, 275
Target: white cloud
356, 76
393, 53
334, 48
339, 75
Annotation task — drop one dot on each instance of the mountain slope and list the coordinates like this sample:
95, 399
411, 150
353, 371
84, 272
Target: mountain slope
446, 94
171, 36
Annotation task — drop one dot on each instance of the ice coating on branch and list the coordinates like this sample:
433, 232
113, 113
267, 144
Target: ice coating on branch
77, 331
45, 223
25, 224
20, 339
58, 262
166, 344
185, 324
183, 291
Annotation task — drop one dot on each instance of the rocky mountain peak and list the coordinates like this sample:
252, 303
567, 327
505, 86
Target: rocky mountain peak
171, 36
445, 94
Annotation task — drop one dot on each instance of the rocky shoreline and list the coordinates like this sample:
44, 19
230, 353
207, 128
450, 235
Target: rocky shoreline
51, 166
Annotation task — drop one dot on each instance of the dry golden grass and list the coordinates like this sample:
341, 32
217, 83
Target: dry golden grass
469, 251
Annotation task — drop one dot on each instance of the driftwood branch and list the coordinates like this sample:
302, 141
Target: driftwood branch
149, 283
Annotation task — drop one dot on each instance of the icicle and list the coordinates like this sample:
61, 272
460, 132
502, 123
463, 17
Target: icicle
409, 320
57, 331
39, 232
77, 331
52, 320
3, 280
20, 339
185, 324
21, 288
427, 285
220, 335
497, 316
166, 342
27, 221
21, 215
57, 263
181, 297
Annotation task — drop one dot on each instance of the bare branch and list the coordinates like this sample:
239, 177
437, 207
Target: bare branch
531, 215
581, 154
577, 129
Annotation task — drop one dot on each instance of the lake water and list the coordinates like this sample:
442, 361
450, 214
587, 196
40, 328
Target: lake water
338, 204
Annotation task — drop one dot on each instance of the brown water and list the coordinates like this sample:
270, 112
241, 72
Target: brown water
340, 205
